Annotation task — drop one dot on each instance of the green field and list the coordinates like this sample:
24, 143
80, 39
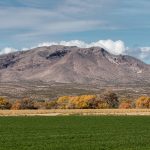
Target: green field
75, 133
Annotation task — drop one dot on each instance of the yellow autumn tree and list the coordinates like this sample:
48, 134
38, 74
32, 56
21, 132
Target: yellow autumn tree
63, 102
102, 105
83, 101
75, 102
143, 102
4, 103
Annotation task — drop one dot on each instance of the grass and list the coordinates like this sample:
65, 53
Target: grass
75, 133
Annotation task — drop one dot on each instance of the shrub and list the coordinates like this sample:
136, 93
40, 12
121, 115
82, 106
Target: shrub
107, 100
103, 105
75, 102
143, 102
23, 104
125, 104
51, 104
4, 104
40, 104
63, 102
83, 101
110, 98
98, 103
16, 105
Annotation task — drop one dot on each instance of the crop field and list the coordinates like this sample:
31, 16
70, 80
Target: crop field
75, 133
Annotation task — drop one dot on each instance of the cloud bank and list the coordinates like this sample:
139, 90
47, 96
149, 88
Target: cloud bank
114, 47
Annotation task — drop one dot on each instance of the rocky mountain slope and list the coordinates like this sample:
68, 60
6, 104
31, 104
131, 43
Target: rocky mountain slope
72, 65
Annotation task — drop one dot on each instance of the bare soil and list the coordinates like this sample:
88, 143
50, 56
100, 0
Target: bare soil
57, 112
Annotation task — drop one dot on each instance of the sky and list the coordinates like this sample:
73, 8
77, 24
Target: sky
120, 26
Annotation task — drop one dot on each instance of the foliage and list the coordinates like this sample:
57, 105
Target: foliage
23, 104
104, 100
103, 105
83, 101
143, 102
63, 102
78, 102
111, 99
4, 104
51, 104
125, 104
107, 100
99, 103
40, 104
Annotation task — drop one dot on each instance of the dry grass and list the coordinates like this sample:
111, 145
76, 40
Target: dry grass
55, 112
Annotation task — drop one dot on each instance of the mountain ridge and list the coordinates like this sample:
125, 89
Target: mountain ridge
71, 64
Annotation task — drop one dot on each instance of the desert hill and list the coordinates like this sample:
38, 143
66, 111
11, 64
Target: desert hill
64, 64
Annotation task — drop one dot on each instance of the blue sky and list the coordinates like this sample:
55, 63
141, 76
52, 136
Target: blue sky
25, 23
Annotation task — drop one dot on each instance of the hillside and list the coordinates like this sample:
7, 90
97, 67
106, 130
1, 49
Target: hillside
72, 65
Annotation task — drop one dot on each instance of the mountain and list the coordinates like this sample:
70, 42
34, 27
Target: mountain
72, 65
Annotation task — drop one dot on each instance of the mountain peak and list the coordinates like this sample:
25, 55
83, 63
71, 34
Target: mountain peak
67, 64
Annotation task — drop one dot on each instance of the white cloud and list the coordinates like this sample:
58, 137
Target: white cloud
145, 53
142, 53
114, 47
7, 50
145, 49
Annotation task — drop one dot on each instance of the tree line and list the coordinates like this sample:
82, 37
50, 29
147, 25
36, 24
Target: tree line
106, 100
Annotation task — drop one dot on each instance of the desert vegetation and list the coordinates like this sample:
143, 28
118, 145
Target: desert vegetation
106, 100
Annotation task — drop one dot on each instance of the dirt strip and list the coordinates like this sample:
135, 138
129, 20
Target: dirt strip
58, 112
